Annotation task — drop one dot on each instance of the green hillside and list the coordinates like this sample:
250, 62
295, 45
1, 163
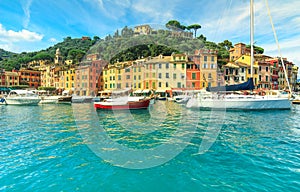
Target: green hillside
121, 46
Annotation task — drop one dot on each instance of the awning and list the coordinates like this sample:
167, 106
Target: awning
160, 91
138, 91
105, 91
146, 91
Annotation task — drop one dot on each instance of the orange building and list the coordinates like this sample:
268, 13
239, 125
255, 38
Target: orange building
193, 76
30, 77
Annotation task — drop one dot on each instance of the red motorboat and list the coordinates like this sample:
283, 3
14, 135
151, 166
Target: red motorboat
122, 103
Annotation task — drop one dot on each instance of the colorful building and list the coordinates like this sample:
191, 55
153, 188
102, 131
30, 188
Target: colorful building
237, 51
11, 78
87, 77
29, 77
207, 60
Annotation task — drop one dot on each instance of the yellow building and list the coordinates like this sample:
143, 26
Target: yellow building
11, 78
157, 73
67, 79
244, 61
142, 30
207, 59
177, 70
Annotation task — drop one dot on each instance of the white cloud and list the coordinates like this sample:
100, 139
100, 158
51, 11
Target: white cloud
26, 8
17, 36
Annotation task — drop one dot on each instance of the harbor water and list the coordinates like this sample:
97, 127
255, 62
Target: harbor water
168, 147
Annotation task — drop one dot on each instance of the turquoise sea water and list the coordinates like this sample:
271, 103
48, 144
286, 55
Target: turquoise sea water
44, 148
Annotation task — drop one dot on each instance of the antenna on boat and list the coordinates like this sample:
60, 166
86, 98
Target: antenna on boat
279, 51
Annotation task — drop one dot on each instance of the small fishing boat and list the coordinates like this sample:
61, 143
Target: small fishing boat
123, 103
21, 97
65, 99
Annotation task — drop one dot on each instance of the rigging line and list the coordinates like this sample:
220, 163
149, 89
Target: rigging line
279, 51
220, 21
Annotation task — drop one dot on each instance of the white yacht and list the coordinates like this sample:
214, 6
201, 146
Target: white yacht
218, 98
22, 97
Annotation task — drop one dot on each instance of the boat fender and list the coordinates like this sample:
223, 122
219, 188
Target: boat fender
2, 100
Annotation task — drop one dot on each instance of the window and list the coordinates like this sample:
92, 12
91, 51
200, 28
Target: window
174, 66
212, 66
259, 68
249, 71
139, 69
147, 85
134, 77
267, 69
119, 77
119, 85
167, 65
209, 75
242, 69
193, 76
182, 66
159, 75
126, 70
159, 65
139, 77
159, 84
267, 78
193, 84
174, 76
127, 76
167, 84
153, 85
204, 66
212, 58
127, 85
178, 85
167, 75
205, 58
134, 69
259, 78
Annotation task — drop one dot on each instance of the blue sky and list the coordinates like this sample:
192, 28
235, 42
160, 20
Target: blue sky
30, 25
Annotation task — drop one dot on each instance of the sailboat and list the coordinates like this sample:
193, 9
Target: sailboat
217, 97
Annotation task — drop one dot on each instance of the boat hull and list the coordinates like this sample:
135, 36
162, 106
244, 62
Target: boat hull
241, 104
143, 104
22, 101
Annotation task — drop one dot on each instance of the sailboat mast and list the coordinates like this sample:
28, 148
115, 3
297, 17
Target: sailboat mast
251, 36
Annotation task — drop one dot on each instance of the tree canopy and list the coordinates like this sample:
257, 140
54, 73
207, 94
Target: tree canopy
195, 27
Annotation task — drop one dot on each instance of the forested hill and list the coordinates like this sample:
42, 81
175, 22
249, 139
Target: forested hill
120, 47
70, 48
5, 54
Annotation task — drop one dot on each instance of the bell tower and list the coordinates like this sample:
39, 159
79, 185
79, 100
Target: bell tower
58, 57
